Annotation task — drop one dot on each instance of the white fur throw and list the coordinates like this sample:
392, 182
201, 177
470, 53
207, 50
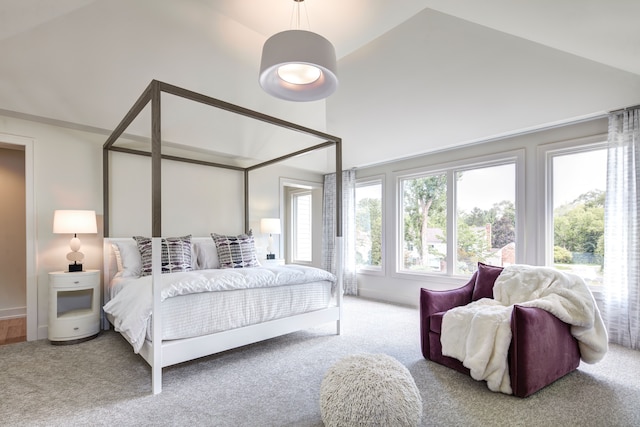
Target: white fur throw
369, 390
479, 334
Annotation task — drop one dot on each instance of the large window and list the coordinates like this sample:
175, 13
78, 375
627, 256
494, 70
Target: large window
424, 223
578, 188
369, 234
301, 226
483, 228
485, 217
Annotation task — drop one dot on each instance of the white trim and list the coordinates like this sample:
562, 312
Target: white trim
13, 313
30, 224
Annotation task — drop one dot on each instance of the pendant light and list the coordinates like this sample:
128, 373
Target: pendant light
298, 65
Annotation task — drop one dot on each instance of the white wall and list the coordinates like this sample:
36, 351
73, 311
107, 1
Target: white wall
196, 199
435, 81
404, 289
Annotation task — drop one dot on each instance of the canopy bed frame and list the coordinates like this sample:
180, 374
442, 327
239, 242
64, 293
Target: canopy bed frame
168, 353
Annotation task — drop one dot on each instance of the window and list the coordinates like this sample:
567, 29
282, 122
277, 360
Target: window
485, 217
578, 189
301, 226
482, 228
369, 225
424, 223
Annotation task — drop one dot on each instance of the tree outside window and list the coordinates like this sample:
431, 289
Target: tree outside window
369, 225
485, 220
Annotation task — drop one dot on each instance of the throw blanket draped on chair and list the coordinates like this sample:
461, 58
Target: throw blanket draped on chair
479, 334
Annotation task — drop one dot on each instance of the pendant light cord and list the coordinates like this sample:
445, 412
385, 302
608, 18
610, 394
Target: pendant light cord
295, 15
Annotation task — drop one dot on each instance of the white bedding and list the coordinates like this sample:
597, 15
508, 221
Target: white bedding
257, 289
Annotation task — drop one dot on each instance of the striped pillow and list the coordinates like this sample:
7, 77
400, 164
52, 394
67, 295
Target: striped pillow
236, 251
176, 254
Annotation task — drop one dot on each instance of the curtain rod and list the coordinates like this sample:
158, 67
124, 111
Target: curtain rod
624, 109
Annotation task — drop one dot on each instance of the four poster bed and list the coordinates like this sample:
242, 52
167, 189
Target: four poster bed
198, 304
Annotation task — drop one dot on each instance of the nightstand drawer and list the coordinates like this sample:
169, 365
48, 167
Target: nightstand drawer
74, 280
77, 324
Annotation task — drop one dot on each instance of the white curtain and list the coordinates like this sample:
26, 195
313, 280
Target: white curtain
349, 281
622, 230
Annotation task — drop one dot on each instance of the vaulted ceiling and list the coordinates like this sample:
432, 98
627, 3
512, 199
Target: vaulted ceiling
86, 61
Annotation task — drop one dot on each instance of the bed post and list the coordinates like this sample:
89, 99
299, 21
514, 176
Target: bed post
156, 345
156, 248
339, 239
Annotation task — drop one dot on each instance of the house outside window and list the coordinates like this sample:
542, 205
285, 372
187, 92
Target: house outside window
482, 196
369, 225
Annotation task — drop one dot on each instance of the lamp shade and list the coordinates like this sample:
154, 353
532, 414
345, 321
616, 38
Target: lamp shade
72, 222
270, 225
298, 65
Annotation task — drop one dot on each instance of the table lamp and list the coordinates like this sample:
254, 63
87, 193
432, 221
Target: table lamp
75, 222
271, 226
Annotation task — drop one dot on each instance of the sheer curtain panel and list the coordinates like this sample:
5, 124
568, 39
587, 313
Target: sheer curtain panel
622, 257
348, 228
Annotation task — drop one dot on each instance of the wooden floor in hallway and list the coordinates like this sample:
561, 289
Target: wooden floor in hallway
13, 330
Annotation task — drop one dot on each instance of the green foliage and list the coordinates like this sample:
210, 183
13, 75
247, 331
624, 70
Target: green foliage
561, 255
579, 226
369, 231
425, 206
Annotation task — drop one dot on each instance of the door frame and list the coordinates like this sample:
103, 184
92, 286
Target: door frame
30, 231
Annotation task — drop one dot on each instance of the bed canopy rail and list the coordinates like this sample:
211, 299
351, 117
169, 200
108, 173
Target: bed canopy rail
152, 94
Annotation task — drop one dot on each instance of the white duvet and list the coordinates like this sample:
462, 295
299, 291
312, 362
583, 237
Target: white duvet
131, 307
479, 334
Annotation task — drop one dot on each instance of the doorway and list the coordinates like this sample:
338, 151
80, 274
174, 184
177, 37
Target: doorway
18, 286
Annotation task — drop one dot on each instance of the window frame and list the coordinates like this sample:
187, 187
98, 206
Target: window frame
516, 157
294, 226
546, 154
372, 270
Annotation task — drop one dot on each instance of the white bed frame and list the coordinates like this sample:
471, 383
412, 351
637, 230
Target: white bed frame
177, 351
171, 352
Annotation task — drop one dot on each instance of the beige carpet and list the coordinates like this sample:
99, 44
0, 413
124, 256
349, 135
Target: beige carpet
277, 382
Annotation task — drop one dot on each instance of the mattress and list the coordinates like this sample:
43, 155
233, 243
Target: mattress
209, 312
208, 301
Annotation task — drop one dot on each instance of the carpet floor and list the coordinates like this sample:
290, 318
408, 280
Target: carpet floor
277, 382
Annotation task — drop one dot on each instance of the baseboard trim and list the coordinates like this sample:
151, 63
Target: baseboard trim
13, 313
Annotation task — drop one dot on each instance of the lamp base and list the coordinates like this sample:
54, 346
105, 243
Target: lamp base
271, 256
74, 268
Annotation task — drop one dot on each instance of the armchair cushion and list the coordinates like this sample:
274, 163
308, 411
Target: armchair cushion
485, 278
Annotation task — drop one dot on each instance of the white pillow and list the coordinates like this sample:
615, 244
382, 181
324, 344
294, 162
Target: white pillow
128, 258
206, 254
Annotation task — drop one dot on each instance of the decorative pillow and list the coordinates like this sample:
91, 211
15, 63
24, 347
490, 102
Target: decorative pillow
236, 251
487, 275
176, 254
127, 258
205, 254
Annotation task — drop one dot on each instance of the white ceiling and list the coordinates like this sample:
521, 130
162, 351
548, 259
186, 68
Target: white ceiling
45, 82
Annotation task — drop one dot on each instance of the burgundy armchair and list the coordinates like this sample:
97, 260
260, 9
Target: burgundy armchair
542, 348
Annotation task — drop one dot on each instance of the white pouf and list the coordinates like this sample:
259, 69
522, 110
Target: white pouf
369, 390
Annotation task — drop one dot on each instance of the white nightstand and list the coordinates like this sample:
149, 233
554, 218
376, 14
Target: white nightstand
74, 306
267, 262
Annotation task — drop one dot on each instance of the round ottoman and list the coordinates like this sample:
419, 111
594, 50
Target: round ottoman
369, 390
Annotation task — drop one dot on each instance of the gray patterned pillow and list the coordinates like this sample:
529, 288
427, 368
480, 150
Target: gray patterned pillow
236, 251
176, 254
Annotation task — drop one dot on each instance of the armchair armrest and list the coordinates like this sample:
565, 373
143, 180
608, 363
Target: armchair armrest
542, 350
436, 301
432, 302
